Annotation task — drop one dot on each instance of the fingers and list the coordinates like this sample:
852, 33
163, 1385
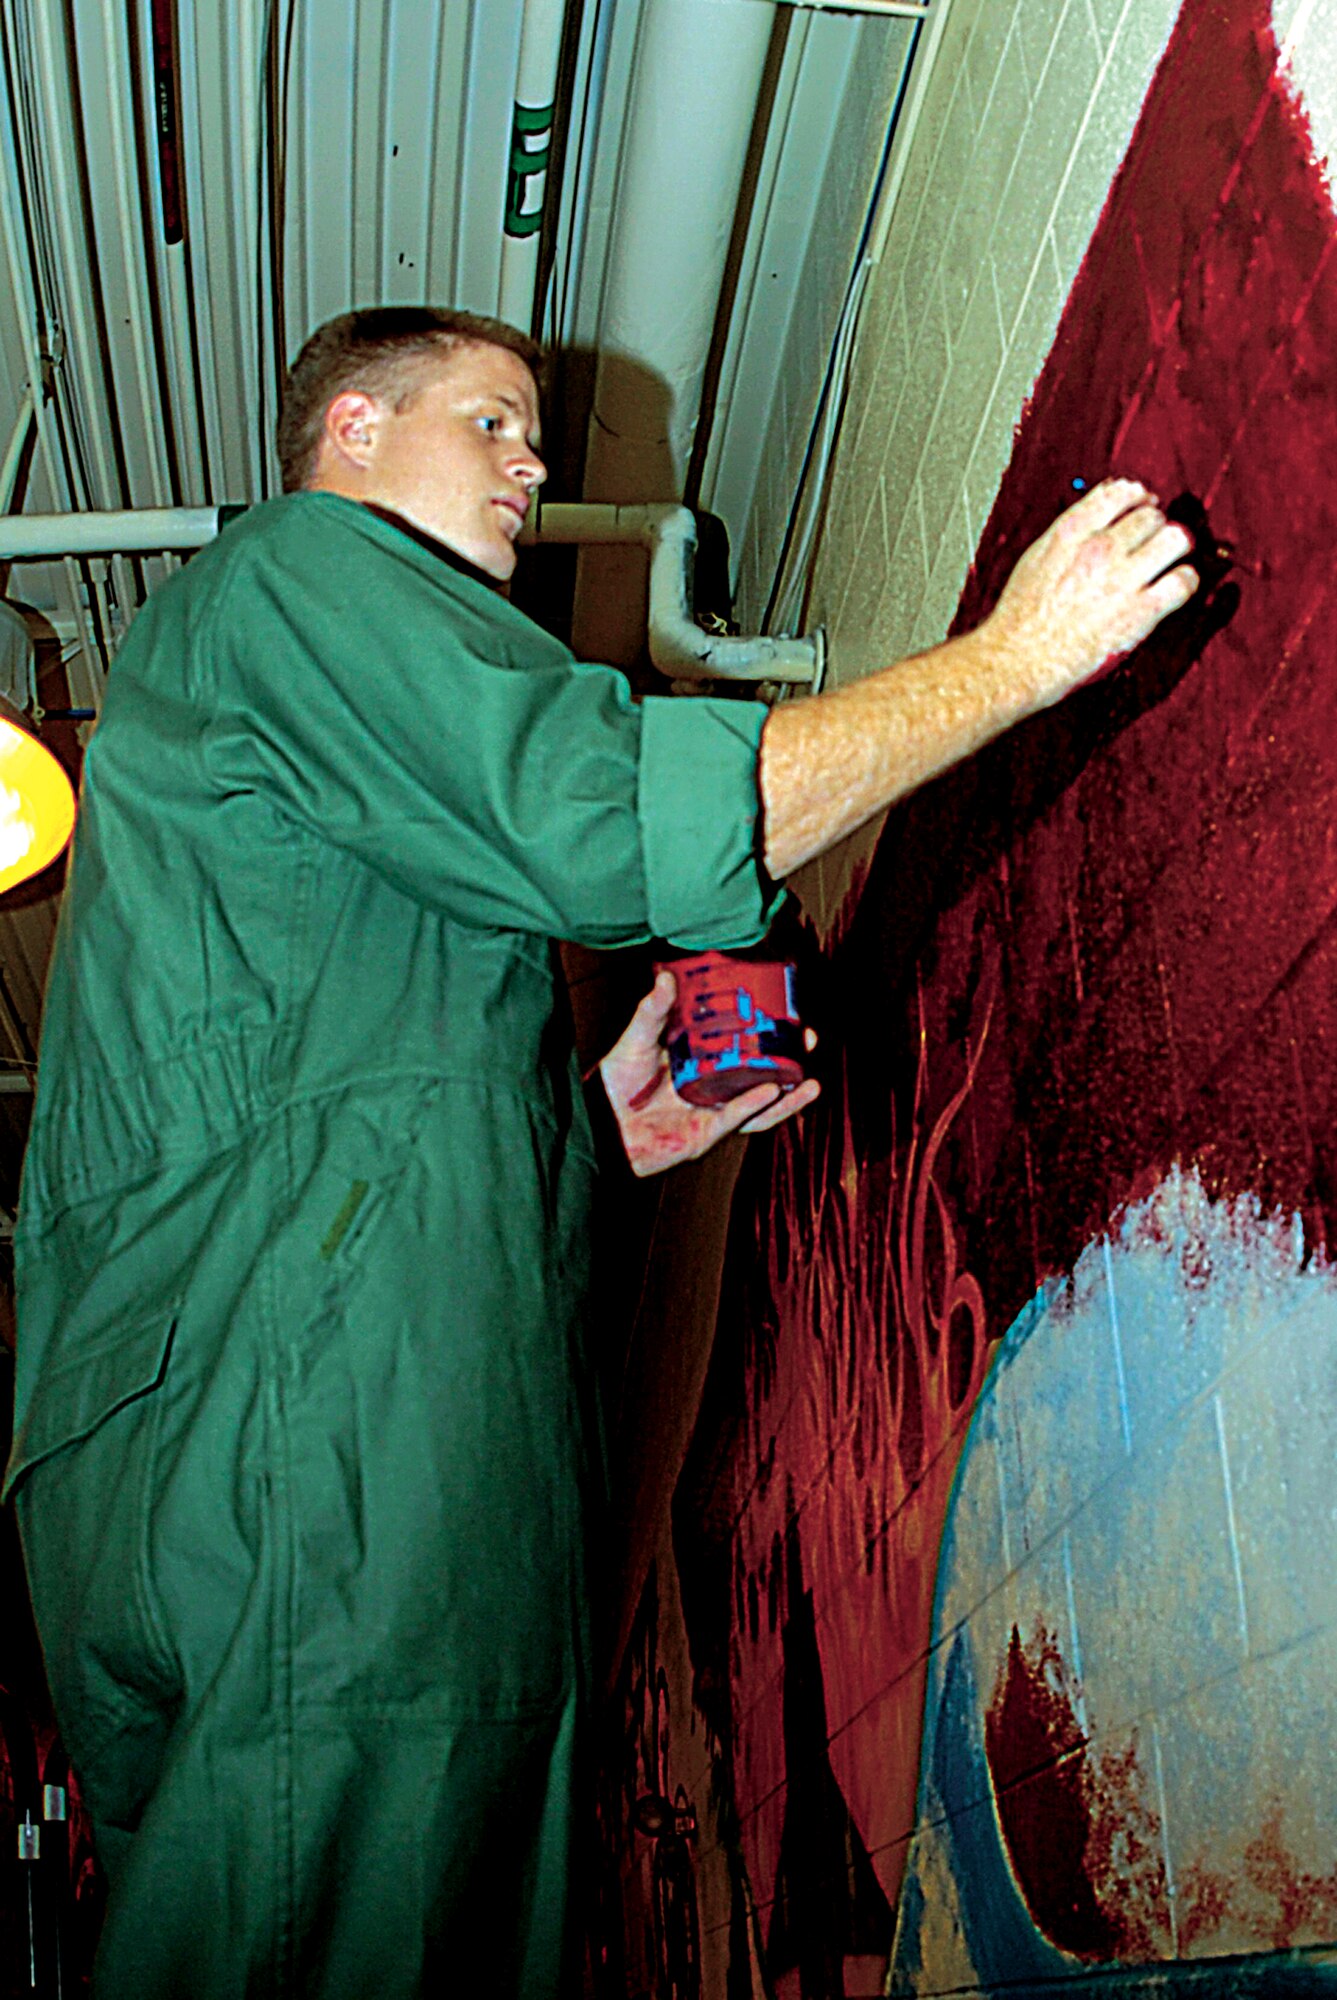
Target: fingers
647, 1023
1150, 552
1130, 514
738, 1113
1106, 502
1146, 534
1172, 592
781, 1108
659, 1000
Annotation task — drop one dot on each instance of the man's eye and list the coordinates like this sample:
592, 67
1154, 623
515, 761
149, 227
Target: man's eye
490, 424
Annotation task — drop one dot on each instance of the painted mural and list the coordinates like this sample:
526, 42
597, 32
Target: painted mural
1085, 1003
1136, 1625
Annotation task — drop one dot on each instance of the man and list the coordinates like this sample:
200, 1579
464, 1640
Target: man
304, 1454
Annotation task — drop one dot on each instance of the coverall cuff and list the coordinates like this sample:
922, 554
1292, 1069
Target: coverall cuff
700, 818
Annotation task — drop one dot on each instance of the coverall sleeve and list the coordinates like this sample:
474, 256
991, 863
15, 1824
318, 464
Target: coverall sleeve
462, 753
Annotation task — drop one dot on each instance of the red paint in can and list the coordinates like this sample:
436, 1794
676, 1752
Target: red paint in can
735, 1024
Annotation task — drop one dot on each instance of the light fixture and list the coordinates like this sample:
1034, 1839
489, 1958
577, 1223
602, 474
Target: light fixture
36, 797
36, 801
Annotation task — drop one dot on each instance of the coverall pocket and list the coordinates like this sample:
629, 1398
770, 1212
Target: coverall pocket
82, 1470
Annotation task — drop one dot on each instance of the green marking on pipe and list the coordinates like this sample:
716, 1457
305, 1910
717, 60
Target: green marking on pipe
531, 148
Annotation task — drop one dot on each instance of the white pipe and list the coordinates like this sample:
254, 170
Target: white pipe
535, 91
699, 65
900, 10
24, 424
42, 537
690, 105
678, 646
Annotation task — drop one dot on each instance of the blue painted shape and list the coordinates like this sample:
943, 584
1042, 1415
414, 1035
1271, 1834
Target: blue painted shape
1139, 1558
1002, 1941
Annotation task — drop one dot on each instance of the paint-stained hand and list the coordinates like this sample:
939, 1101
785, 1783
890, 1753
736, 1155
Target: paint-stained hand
660, 1129
1096, 583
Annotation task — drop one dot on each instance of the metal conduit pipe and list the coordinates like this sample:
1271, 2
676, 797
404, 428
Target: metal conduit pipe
678, 646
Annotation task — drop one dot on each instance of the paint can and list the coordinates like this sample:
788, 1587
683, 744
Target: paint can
735, 1023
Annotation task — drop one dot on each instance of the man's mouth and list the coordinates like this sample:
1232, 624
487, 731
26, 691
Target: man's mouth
515, 509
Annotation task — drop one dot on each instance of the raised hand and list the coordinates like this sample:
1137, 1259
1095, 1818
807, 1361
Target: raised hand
1095, 584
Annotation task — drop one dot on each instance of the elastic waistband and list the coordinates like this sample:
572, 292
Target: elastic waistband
93, 1132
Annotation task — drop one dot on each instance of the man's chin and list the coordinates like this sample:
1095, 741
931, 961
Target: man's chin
497, 562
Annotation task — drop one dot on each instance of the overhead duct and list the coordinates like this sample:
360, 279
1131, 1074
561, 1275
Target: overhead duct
698, 69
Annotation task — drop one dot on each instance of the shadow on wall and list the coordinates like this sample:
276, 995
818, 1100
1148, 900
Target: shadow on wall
1095, 967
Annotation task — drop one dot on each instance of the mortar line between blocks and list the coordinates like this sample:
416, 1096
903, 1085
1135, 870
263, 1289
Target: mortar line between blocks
1075, 1638
1125, 1420
1230, 1520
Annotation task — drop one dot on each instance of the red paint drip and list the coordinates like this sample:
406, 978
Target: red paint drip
1037, 1754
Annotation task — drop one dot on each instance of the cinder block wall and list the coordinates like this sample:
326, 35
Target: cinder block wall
1028, 116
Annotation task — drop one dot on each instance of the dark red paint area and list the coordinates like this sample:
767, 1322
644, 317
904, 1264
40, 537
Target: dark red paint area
1106, 945
1084, 1844
1159, 857
1037, 1754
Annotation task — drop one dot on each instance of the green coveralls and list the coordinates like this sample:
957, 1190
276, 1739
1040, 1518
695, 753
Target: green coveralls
304, 1450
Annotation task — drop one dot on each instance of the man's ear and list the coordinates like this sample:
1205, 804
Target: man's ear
351, 424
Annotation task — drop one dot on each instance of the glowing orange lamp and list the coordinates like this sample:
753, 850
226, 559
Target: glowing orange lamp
36, 801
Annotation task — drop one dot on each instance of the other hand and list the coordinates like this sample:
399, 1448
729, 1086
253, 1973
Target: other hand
1095, 584
660, 1129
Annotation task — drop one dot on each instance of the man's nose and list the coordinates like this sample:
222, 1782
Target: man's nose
528, 467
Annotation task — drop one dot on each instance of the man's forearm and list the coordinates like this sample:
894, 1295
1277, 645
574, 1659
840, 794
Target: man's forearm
1095, 584
828, 765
